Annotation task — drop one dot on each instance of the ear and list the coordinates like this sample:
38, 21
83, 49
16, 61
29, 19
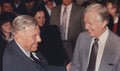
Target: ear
104, 23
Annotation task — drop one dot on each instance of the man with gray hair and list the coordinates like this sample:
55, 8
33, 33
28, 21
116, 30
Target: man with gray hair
20, 53
98, 49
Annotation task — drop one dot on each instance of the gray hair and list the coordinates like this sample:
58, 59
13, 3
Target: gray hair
23, 21
100, 9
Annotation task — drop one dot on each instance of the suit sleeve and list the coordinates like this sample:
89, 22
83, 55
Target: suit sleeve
75, 66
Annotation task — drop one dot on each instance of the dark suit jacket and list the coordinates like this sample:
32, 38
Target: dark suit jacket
76, 24
111, 55
3, 43
75, 27
15, 60
47, 16
51, 46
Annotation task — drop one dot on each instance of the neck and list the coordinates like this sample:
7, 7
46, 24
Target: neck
7, 35
101, 32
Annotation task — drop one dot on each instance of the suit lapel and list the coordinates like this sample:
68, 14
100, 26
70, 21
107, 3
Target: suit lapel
107, 53
42, 60
22, 55
71, 20
59, 15
87, 51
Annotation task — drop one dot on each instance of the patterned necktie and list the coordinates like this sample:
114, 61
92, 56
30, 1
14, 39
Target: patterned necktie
34, 59
93, 55
63, 24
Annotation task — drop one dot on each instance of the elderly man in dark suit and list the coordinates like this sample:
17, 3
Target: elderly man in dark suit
73, 23
20, 53
102, 54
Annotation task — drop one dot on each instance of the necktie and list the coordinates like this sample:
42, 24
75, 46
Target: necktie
36, 60
93, 55
63, 24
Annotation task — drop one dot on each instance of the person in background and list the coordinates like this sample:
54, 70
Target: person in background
88, 2
20, 53
5, 32
114, 11
18, 7
67, 25
80, 1
6, 6
51, 46
98, 49
48, 7
29, 6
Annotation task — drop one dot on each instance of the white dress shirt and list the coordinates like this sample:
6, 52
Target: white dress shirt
27, 53
69, 8
101, 46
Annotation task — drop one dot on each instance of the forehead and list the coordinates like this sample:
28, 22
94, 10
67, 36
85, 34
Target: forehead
40, 13
32, 31
91, 16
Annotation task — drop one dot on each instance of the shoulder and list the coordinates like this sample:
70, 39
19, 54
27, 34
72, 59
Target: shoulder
83, 35
78, 7
57, 8
113, 36
10, 50
113, 40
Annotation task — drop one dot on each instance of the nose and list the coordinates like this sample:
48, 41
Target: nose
39, 39
86, 26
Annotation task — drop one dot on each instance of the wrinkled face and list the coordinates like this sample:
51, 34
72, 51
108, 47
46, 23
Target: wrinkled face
40, 17
7, 27
30, 38
112, 10
93, 24
66, 2
7, 7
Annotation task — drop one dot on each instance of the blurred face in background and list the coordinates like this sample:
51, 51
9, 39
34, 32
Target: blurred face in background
50, 5
29, 5
112, 9
6, 27
66, 2
40, 17
7, 7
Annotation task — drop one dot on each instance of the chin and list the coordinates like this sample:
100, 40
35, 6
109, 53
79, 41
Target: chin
92, 35
34, 49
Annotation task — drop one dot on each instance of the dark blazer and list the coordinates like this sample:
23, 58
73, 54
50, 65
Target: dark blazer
47, 16
111, 25
15, 60
75, 22
111, 55
3, 43
51, 46
75, 27
20, 9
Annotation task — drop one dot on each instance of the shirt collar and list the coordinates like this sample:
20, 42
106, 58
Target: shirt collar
68, 6
104, 35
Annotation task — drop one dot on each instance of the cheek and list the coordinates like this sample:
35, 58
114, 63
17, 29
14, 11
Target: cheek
6, 29
113, 12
